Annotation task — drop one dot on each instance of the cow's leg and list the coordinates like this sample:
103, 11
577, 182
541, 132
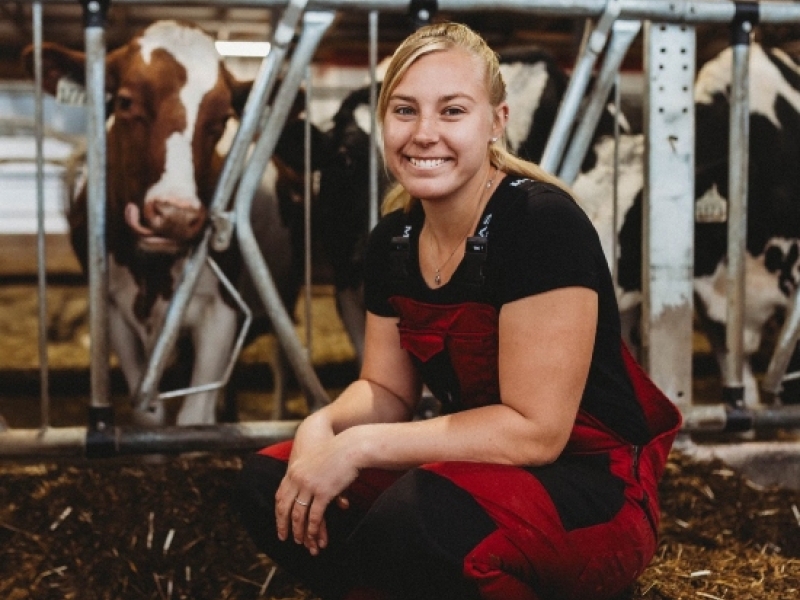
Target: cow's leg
213, 335
127, 345
715, 333
350, 305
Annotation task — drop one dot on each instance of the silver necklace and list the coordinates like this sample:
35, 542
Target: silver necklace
437, 278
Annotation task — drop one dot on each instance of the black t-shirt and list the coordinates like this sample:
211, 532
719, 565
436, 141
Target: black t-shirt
538, 239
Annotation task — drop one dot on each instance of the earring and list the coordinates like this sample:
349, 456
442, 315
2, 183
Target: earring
494, 139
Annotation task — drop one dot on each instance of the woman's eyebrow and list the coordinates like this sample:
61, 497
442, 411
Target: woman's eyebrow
456, 96
403, 98
445, 98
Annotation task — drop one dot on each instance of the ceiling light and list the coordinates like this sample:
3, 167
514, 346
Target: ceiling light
242, 48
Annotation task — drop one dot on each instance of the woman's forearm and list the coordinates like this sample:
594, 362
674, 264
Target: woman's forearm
364, 402
490, 434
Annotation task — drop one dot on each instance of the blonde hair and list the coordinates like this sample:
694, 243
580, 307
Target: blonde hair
446, 36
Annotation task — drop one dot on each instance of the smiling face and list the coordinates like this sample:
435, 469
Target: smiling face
438, 125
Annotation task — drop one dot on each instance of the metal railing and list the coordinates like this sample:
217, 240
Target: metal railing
621, 18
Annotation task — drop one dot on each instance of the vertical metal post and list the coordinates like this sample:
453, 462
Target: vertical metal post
41, 262
668, 227
738, 172
373, 130
307, 212
100, 410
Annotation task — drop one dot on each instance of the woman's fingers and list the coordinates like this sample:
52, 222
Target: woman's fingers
284, 503
315, 526
300, 513
304, 519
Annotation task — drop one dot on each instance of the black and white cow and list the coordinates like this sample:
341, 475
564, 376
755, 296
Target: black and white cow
535, 88
171, 101
773, 206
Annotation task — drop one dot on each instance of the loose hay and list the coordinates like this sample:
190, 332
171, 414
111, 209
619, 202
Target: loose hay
135, 528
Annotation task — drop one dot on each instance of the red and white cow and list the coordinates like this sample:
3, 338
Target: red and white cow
171, 99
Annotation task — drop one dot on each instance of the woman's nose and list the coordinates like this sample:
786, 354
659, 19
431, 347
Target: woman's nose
426, 131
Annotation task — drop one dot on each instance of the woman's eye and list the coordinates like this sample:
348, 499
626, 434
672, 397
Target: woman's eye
453, 111
404, 110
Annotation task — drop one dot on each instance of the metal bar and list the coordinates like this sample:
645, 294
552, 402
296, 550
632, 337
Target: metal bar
237, 347
668, 224
576, 89
615, 224
738, 175
723, 418
96, 205
307, 192
78, 442
41, 262
785, 346
673, 11
373, 130
622, 35
315, 26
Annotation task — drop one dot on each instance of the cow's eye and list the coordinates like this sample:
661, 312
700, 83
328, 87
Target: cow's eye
216, 128
124, 102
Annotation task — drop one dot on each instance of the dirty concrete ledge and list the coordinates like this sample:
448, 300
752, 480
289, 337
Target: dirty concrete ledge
766, 463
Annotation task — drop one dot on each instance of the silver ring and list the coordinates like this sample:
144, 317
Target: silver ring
300, 502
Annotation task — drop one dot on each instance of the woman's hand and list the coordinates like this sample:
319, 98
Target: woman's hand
319, 470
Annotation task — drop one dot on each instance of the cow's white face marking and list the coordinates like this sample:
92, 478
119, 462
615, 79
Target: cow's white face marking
715, 78
525, 85
196, 52
363, 118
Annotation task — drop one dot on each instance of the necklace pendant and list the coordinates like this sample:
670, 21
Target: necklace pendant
437, 278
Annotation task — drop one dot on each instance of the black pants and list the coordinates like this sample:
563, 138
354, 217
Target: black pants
385, 545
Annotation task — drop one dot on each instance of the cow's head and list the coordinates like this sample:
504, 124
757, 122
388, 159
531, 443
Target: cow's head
170, 100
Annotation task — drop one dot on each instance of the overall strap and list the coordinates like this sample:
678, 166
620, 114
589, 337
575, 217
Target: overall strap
400, 255
472, 273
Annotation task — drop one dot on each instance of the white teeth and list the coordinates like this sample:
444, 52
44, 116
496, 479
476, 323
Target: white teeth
427, 163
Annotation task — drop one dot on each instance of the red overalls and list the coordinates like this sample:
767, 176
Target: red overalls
582, 528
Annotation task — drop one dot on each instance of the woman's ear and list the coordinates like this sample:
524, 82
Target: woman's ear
501, 112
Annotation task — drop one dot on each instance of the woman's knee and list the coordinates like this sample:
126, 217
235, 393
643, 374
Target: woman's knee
416, 536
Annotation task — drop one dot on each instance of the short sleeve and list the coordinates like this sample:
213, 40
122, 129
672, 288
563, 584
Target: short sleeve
545, 241
377, 265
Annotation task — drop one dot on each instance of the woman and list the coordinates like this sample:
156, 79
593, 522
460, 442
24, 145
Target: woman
487, 283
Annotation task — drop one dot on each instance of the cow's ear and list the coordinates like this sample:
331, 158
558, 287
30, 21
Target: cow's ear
114, 65
57, 62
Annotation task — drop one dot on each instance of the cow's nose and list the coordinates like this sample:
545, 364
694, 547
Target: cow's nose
175, 219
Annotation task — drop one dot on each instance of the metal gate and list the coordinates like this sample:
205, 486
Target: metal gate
668, 259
